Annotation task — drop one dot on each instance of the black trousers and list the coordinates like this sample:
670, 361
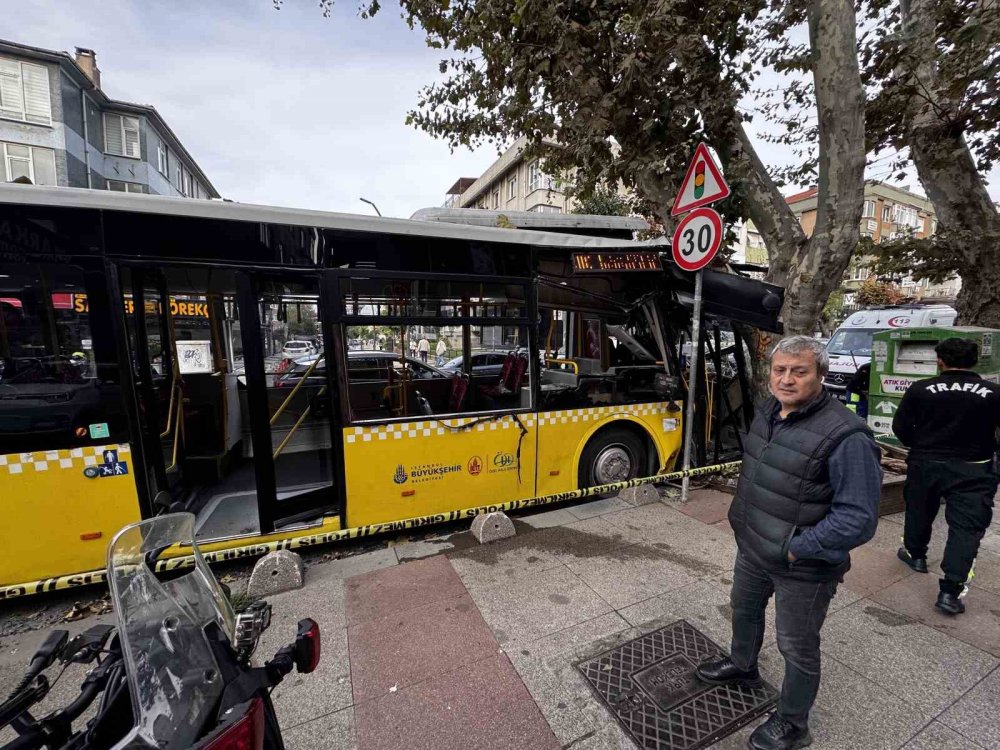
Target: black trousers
968, 491
800, 608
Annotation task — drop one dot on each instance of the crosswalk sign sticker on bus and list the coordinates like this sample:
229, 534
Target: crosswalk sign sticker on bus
703, 183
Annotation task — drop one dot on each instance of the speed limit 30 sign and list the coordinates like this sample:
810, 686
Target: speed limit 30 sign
697, 239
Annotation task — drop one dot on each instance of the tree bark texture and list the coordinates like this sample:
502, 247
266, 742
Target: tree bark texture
948, 171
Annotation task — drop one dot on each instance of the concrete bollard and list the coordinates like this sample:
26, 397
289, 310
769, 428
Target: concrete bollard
644, 494
275, 572
489, 527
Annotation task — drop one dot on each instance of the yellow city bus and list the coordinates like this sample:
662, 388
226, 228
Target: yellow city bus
296, 375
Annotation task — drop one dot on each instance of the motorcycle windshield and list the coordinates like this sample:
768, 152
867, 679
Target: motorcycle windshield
173, 675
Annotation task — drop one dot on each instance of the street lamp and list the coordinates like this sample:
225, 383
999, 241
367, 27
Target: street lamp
365, 200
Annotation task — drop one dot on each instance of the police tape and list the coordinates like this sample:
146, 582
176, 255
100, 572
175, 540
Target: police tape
314, 540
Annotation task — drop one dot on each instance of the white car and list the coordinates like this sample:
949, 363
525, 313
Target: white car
296, 349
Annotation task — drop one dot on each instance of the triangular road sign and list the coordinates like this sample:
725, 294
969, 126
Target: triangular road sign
703, 183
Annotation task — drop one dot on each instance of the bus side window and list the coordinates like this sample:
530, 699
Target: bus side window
58, 390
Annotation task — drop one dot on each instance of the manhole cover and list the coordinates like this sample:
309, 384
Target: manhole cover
650, 687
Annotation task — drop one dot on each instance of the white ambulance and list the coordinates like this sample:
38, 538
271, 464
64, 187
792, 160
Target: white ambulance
850, 347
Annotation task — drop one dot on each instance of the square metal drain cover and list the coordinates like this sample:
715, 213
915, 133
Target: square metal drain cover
650, 687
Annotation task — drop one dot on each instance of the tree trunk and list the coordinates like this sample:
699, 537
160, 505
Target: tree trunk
966, 215
840, 104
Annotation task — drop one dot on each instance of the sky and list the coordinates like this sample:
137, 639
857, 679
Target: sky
279, 107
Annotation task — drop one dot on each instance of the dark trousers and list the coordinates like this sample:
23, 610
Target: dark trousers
800, 609
968, 491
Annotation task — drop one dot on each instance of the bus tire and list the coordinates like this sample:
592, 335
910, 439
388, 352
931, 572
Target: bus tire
613, 455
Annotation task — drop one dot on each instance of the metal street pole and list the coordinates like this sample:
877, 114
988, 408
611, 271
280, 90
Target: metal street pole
693, 362
365, 200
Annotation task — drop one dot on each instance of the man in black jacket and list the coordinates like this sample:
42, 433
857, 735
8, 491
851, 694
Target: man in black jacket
949, 425
808, 493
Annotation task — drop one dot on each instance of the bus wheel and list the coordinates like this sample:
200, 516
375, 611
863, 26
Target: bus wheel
612, 456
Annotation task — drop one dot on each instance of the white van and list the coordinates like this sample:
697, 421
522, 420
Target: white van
850, 347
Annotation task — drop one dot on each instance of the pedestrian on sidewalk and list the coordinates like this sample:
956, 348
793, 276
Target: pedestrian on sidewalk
949, 424
442, 349
423, 348
808, 494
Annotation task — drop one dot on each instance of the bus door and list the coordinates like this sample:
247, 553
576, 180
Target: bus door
289, 393
209, 347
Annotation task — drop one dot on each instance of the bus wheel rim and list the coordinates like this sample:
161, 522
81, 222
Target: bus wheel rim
613, 464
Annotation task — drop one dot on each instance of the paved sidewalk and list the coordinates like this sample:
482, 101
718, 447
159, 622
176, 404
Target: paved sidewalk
445, 644
467, 646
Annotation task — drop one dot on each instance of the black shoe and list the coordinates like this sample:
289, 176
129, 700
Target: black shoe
723, 671
918, 564
779, 734
950, 604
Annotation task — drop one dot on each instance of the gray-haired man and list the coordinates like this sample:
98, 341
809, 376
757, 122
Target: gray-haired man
808, 493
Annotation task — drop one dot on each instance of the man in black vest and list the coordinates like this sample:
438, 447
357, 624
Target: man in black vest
949, 424
808, 493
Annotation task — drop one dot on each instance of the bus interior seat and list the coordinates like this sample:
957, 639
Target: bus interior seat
459, 387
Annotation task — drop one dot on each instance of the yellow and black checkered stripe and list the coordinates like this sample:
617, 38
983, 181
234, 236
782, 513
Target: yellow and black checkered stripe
72, 458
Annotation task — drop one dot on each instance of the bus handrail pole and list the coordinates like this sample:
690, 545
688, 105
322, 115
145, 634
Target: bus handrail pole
174, 388
571, 363
692, 382
288, 400
177, 434
295, 427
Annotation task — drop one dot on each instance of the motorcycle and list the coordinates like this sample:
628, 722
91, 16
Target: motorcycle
173, 672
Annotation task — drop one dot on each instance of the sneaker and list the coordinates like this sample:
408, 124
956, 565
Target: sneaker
918, 564
778, 733
950, 603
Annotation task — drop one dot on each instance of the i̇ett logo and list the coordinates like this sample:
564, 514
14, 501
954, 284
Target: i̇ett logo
475, 465
400, 476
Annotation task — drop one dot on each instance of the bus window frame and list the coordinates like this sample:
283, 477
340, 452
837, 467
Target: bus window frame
526, 321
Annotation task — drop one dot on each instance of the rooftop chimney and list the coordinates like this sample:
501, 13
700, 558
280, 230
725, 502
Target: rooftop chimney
86, 59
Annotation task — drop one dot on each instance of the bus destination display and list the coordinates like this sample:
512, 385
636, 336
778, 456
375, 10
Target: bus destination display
603, 262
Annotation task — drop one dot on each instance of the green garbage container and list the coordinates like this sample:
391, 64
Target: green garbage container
902, 356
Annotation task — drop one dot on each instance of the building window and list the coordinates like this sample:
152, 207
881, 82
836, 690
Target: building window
512, 188
887, 213
28, 163
536, 177
188, 191
545, 208
859, 272
496, 199
162, 160
24, 92
119, 186
121, 135
906, 216
869, 210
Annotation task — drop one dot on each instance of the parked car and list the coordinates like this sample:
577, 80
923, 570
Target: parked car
368, 374
483, 363
298, 349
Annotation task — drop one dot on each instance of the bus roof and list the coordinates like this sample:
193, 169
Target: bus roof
105, 200
619, 227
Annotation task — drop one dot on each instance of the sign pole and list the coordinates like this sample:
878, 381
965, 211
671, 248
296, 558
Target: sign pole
694, 363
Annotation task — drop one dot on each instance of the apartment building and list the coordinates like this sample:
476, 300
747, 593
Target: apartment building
889, 212
511, 183
59, 127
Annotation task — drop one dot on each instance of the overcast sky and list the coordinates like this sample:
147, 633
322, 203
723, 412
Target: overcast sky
277, 107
